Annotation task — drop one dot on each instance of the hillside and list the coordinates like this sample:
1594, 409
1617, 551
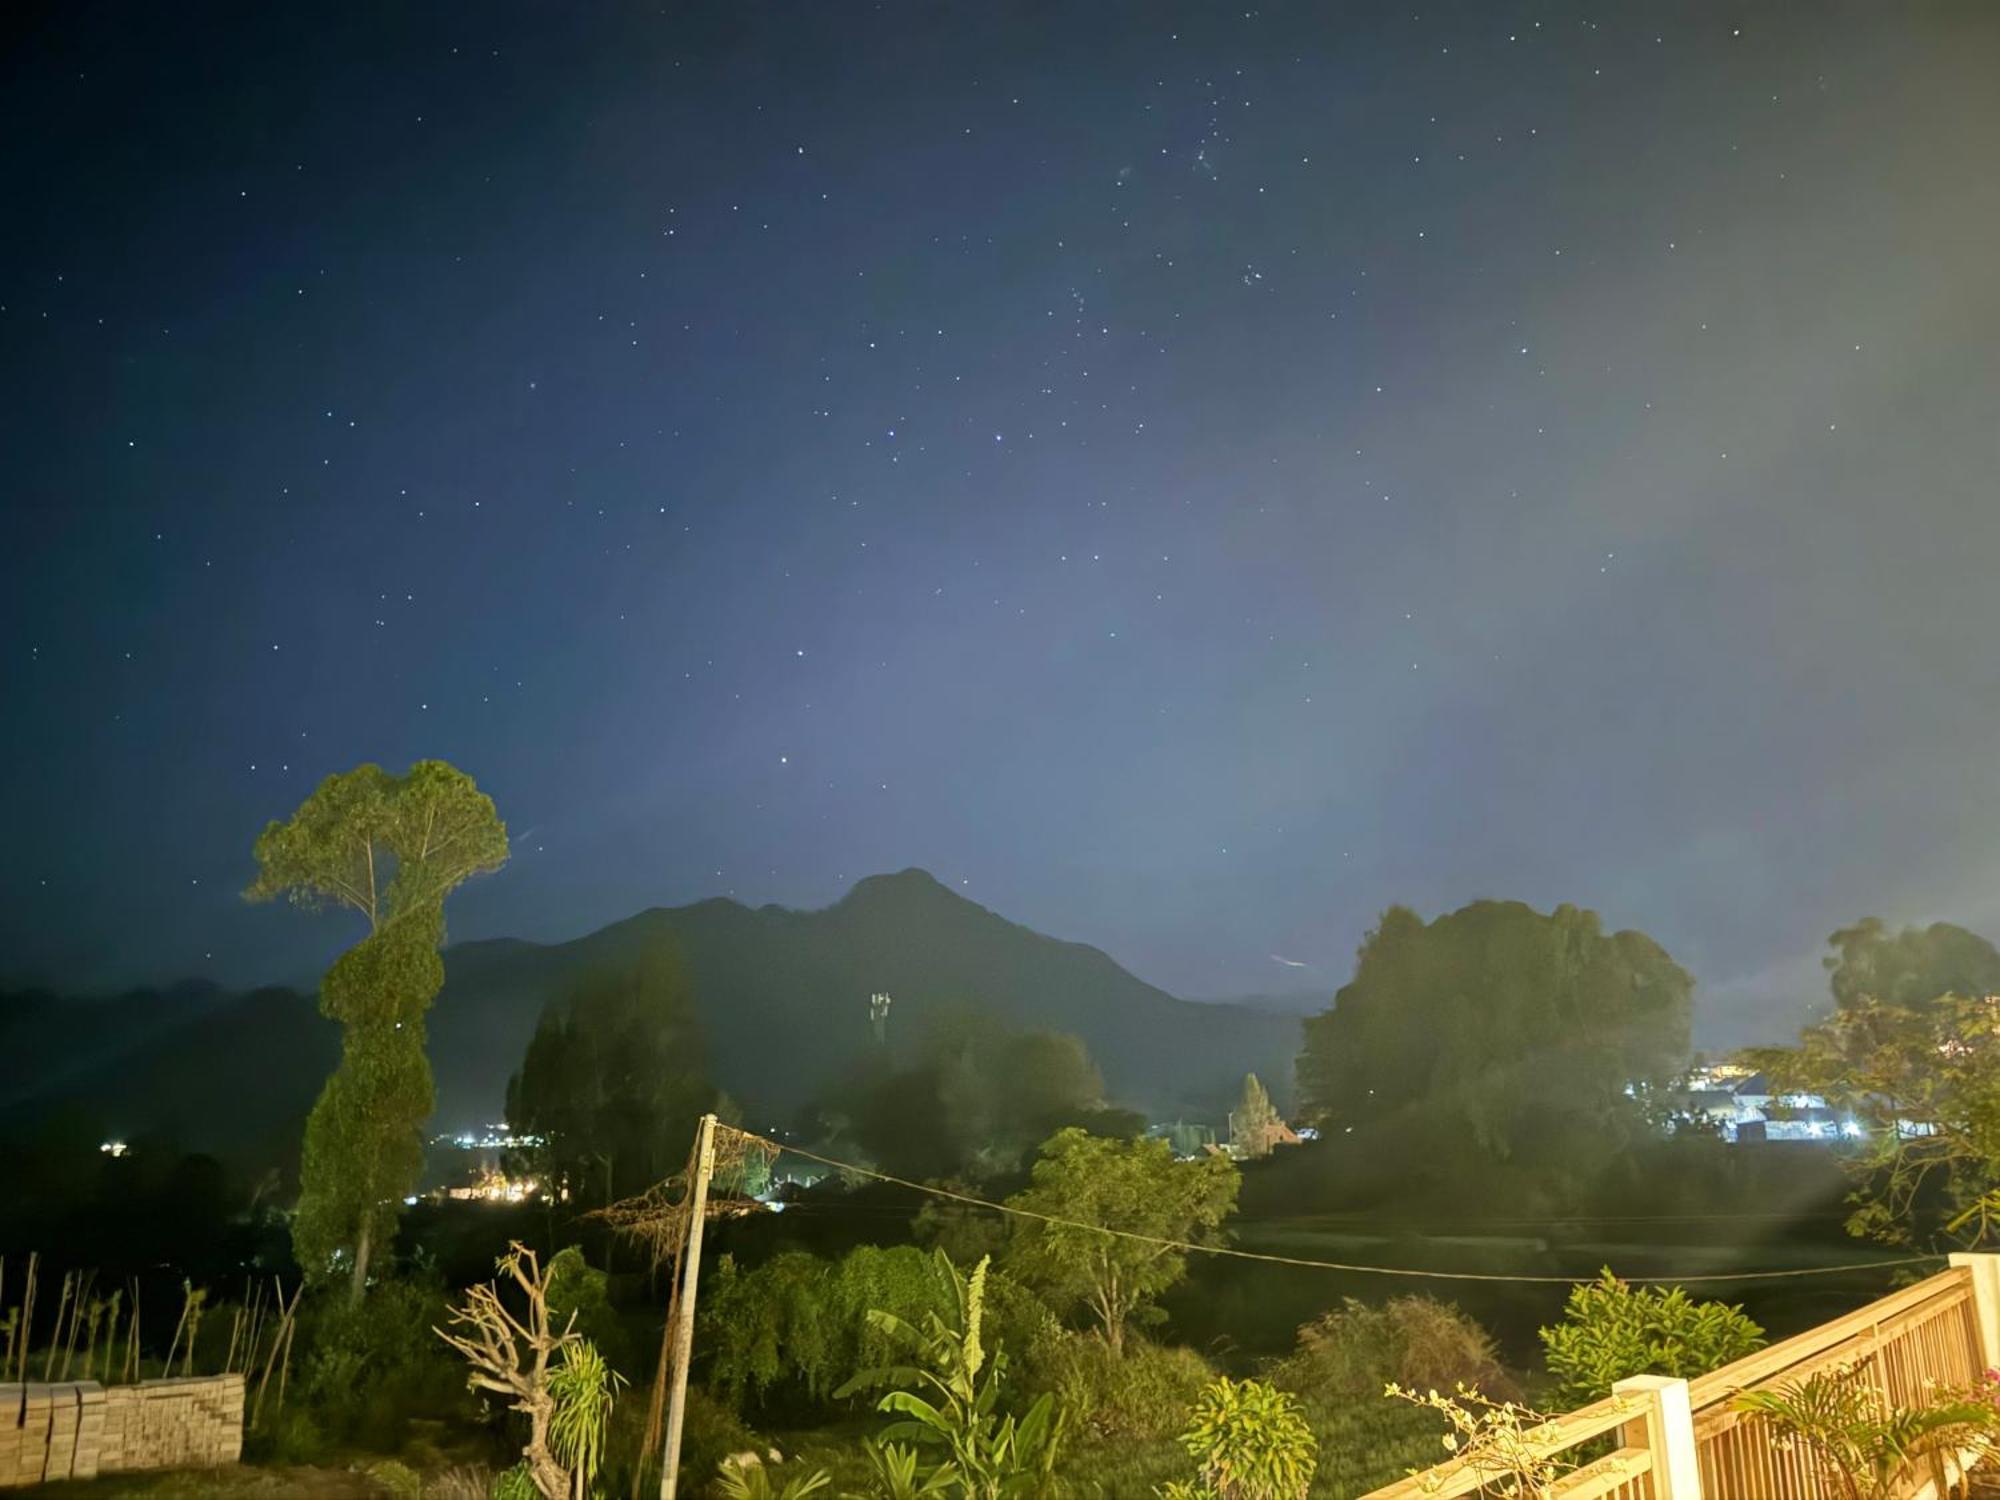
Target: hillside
783, 995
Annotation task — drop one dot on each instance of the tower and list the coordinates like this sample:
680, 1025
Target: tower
878, 1017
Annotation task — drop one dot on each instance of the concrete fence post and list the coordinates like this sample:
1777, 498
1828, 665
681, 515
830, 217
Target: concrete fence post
1669, 1427
1985, 1269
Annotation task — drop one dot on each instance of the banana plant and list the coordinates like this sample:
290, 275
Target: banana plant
947, 1396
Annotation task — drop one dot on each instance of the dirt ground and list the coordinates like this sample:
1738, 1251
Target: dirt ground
240, 1483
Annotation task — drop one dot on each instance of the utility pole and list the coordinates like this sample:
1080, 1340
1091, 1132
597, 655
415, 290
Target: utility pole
704, 1164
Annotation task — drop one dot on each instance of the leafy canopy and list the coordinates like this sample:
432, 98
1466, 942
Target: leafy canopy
1497, 1033
1912, 1050
613, 1080
384, 846
1612, 1330
1090, 1184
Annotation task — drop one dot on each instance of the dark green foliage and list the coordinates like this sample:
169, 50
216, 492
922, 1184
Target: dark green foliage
1136, 1187
1496, 1034
390, 849
975, 1099
1355, 1350
577, 1289
1611, 1330
613, 1081
797, 1327
1912, 967
1143, 1395
365, 1373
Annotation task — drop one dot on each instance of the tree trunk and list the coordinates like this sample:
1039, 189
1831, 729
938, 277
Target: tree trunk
550, 1477
361, 1250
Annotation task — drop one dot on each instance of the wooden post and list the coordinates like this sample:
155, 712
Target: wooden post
1985, 1272
1669, 1425
704, 1163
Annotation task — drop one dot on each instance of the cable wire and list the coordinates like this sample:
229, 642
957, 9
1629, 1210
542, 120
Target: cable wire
1230, 1252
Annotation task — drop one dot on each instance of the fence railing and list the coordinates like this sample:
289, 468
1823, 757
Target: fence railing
1685, 1440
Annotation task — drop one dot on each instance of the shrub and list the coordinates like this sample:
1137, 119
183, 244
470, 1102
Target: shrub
803, 1322
1420, 1342
577, 1288
400, 1481
364, 1372
1143, 1395
1249, 1441
709, 1434
1611, 1330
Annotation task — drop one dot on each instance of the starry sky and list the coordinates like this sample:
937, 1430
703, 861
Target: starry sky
1187, 475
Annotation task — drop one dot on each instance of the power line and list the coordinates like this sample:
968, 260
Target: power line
1232, 1253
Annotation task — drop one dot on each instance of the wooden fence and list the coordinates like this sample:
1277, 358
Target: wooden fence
1685, 1440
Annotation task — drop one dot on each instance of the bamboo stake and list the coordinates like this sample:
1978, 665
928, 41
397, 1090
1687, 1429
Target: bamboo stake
235, 1328
84, 1282
285, 1367
55, 1334
132, 1338
28, 1316
281, 1334
256, 1328
187, 1297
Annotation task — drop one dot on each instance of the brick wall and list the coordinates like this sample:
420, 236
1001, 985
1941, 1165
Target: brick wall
78, 1429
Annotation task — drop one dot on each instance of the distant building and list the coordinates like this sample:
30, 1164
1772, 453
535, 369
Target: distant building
1738, 1104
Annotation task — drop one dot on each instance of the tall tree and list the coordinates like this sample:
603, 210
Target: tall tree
614, 1079
1252, 1121
1497, 1033
1909, 968
1912, 1050
390, 848
1084, 1185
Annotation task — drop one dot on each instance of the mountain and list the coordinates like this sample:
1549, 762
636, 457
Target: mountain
229, 1074
783, 997
1296, 1003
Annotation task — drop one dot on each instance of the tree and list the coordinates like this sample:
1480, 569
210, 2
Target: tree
391, 849
1912, 1050
1085, 1185
613, 1080
1909, 968
1497, 1033
976, 1100
1252, 1121
525, 1358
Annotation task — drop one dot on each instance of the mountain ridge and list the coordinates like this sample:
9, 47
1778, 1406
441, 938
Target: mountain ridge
782, 993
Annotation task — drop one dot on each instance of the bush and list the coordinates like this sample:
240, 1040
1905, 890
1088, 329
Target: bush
1611, 1330
1249, 1441
1420, 1342
578, 1289
400, 1480
1145, 1395
798, 1325
366, 1372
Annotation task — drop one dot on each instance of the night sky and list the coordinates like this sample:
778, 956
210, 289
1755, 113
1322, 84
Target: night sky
1188, 476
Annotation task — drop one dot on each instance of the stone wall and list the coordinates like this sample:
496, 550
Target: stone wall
78, 1429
